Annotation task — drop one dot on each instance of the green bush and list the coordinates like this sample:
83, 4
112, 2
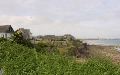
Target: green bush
27, 43
19, 39
52, 64
3, 39
45, 47
16, 59
99, 66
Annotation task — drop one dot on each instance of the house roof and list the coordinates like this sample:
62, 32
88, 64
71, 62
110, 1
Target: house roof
6, 29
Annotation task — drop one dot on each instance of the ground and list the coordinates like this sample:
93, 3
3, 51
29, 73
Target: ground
106, 51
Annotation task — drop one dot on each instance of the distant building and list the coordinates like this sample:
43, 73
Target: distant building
69, 37
55, 38
6, 31
49, 37
26, 33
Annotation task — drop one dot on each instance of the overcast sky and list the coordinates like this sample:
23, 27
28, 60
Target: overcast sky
81, 18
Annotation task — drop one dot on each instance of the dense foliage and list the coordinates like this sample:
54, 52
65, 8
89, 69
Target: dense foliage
68, 47
16, 59
18, 38
3, 39
45, 47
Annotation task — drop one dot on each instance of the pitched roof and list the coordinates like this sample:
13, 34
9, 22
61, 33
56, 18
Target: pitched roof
6, 29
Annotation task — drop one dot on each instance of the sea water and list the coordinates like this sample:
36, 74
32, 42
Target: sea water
105, 42
108, 42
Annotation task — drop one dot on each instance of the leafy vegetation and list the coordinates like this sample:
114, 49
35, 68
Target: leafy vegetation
3, 39
18, 38
66, 45
50, 57
16, 59
42, 47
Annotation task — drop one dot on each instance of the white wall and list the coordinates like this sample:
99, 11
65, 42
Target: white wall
5, 35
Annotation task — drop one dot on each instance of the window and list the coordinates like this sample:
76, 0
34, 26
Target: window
2, 35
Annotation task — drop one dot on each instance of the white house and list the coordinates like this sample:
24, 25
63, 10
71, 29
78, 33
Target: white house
6, 31
26, 33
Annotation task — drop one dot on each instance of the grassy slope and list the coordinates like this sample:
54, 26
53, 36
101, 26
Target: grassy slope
18, 60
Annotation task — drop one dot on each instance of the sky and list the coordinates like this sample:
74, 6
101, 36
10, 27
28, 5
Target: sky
81, 18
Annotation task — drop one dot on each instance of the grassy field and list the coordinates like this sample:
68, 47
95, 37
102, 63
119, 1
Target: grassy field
19, 60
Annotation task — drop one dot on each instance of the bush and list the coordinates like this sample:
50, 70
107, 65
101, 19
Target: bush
19, 39
78, 49
45, 47
2, 39
27, 43
17, 60
99, 66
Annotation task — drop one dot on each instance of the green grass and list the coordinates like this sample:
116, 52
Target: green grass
19, 60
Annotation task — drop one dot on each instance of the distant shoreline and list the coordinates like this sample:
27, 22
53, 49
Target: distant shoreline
103, 42
101, 39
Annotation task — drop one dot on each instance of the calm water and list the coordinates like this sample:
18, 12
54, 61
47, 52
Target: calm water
112, 42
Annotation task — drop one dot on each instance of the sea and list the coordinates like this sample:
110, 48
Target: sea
106, 42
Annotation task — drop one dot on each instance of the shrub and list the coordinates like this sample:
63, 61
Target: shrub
18, 38
27, 43
45, 47
17, 60
99, 66
3, 39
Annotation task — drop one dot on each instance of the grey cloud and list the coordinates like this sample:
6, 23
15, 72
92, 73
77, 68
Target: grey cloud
82, 18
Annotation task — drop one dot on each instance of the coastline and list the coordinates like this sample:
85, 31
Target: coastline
103, 42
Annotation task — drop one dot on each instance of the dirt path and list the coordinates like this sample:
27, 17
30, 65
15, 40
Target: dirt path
108, 51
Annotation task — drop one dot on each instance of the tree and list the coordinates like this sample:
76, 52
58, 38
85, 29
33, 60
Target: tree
18, 37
